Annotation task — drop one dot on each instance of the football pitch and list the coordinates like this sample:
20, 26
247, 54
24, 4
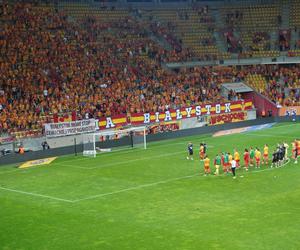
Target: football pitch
154, 199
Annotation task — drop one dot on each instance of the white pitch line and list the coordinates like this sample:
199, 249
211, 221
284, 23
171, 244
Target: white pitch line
168, 142
267, 169
135, 188
128, 161
160, 182
35, 194
122, 190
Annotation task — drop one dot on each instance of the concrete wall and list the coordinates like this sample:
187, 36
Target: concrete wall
16, 158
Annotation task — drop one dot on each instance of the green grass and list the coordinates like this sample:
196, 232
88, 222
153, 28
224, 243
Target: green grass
153, 199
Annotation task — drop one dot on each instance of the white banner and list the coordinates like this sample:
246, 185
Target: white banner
70, 128
6, 140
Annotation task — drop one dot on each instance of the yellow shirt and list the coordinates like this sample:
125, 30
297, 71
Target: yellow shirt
266, 150
257, 154
206, 162
236, 156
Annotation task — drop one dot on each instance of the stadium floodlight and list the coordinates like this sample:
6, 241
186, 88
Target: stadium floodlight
106, 141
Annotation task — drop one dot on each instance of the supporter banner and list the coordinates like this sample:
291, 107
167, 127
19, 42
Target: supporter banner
6, 140
228, 118
112, 122
37, 162
65, 117
289, 111
175, 114
164, 127
70, 128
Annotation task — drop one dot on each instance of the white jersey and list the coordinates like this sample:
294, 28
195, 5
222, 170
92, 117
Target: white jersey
233, 164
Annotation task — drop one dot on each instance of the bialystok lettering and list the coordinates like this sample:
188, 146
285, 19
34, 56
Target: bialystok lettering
180, 114
174, 114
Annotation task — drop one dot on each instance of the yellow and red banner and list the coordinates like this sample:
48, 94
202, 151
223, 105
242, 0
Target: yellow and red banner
68, 117
113, 122
175, 114
164, 127
228, 118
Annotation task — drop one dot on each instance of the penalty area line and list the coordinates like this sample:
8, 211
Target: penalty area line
161, 182
121, 162
35, 194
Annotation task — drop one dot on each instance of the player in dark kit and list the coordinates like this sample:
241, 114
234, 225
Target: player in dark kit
275, 159
283, 150
280, 155
205, 148
190, 151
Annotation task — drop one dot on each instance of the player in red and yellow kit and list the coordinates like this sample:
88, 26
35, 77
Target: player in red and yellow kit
297, 149
224, 167
237, 158
206, 165
229, 159
246, 159
266, 154
201, 152
257, 157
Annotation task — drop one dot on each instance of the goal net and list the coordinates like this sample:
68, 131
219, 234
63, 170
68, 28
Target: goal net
107, 141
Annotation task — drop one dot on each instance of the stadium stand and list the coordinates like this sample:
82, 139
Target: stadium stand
279, 83
75, 61
62, 66
248, 29
194, 28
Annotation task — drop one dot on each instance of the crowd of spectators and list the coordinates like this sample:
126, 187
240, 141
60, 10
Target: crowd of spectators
283, 84
49, 66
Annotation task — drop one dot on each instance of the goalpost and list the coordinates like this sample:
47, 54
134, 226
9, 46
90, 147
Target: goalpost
106, 141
